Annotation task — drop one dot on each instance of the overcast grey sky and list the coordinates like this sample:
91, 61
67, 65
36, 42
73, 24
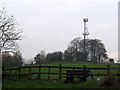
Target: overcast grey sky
51, 24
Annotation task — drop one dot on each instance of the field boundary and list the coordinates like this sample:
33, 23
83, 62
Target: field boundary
7, 72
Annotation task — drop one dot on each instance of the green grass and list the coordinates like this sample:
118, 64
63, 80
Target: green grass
25, 83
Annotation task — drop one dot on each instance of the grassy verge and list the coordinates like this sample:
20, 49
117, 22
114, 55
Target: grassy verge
24, 83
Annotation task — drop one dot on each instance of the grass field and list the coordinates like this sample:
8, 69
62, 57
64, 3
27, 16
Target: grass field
25, 83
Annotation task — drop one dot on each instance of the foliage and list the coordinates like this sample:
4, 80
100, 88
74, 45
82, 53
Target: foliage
68, 56
95, 50
81, 56
37, 59
55, 56
9, 60
108, 81
40, 57
111, 60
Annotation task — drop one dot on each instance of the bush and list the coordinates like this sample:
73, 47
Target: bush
108, 81
11, 61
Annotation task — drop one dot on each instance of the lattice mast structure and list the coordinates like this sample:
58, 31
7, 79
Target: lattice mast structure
85, 20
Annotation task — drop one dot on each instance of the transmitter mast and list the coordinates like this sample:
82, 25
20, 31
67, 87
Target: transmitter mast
85, 20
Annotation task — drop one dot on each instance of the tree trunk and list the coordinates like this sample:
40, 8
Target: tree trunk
0, 69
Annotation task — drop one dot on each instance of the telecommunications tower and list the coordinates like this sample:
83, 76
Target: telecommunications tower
85, 20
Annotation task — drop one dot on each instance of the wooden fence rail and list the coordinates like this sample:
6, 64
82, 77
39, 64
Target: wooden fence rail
19, 73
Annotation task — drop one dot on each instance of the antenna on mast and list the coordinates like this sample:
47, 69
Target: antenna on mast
85, 20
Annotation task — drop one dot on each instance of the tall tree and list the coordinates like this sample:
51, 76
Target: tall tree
43, 55
75, 51
95, 50
40, 57
55, 56
8, 33
37, 58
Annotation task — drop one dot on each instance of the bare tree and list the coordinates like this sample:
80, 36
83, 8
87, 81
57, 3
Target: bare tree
8, 32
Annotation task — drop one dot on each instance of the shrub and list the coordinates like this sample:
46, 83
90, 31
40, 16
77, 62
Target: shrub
108, 81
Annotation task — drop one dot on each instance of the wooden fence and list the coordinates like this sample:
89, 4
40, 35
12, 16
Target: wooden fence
60, 71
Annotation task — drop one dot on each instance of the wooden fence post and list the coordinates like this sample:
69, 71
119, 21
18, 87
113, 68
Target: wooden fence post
84, 72
19, 72
10, 72
29, 73
16, 73
84, 67
39, 75
3, 73
73, 68
49, 73
3, 70
108, 69
60, 71
98, 74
